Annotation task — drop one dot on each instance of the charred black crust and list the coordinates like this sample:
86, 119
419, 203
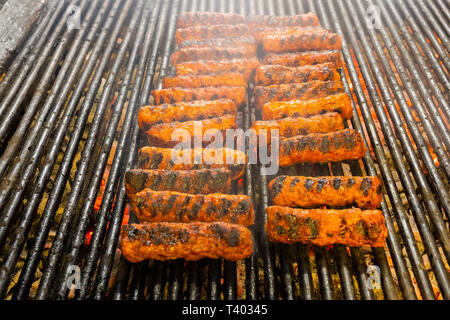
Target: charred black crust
155, 160
365, 186
379, 189
320, 184
325, 145
233, 238
277, 185
337, 183
309, 183
350, 182
294, 182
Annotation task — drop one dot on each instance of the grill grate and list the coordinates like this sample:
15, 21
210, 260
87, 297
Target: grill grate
68, 107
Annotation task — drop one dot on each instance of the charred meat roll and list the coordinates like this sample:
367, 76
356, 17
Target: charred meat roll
322, 227
321, 147
211, 32
184, 111
296, 91
301, 40
297, 59
169, 206
336, 191
244, 41
190, 241
200, 81
339, 103
289, 127
195, 54
301, 20
192, 19
169, 134
244, 66
267, 75
187, 159
172, 95
204, 181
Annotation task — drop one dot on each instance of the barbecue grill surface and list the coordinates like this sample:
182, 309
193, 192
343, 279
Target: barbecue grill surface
68, 132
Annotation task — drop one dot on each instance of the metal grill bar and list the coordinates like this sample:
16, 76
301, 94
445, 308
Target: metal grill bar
118, 166
16, 244
21, 64
58, 244
443, 102
90, 195
439, 16
381, 80
105, 266
63, 172
16, 104
427, 30
31, 60
429, 239
392, 240
368, 82
422, 224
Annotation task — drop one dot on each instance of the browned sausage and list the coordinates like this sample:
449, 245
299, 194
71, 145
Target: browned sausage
169, 206
336, 191
322, 227
190, 241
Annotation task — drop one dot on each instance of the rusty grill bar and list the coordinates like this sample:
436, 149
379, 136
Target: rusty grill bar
93, 79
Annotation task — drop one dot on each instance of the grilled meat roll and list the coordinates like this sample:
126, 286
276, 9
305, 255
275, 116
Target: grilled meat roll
321, 147
204, 181
262, 33
200, 81
244, 41
298, 59
172, 95
289, 127
169, 206
184, 111
192, 19
211, 32
244, 66
190, 241
161, 134
301, 20
275, 74
186, 159
322, 227
195, 54
308, 192
339, 103
302, 40
296, 91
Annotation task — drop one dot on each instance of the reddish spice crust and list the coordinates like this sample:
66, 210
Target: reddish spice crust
340, 103
297, 59
336, 191
184, 111
203, 181
172, 95
190, 241
296, 91
267, 75
322, 227
191, 19
321, 147
169, 206
162, 158
160, 135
